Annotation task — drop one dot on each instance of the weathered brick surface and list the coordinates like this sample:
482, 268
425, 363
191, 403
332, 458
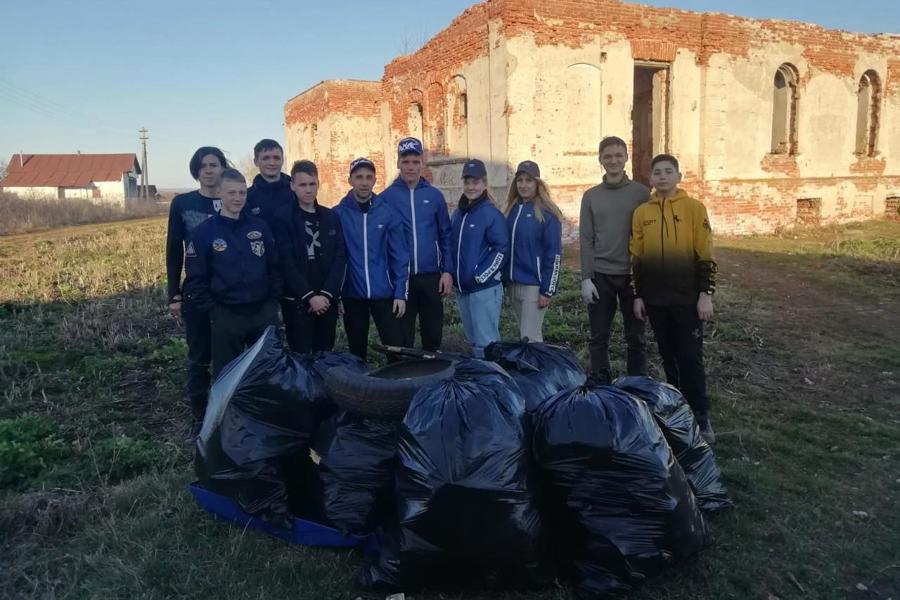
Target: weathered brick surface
485, 86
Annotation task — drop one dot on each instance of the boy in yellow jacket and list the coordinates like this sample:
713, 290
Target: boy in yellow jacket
673, 274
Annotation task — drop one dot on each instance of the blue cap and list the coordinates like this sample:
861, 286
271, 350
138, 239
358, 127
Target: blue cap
361, 162
474, 168
410, 145
529, 167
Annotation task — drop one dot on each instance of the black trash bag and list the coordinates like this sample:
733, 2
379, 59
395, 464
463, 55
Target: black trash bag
262, 412
466, 510
356, 460
676, 420
541, 370
616, 500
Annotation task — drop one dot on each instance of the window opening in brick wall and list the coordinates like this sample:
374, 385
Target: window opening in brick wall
649, 117
415, 119
868, 100
784, 110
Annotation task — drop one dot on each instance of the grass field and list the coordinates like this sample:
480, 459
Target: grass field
803, 361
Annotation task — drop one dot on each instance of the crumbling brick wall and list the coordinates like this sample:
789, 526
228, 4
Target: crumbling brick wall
471, 91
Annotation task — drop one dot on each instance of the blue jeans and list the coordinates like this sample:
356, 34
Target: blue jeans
480, 314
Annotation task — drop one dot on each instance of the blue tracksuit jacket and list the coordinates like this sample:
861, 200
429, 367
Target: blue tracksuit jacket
535, 249
377, 254
480, 244
427, 223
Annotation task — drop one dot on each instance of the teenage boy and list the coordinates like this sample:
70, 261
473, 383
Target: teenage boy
271, 189
313, 260
427, 223
674, 281
604, 229
377, 262
186, 212
233, 273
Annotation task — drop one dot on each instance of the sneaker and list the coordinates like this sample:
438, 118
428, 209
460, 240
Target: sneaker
707, 432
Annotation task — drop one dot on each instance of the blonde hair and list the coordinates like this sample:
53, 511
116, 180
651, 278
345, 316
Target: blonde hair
541, 199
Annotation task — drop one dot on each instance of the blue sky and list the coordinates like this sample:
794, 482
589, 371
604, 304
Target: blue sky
87, 75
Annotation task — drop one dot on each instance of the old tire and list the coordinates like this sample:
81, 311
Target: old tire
386, 392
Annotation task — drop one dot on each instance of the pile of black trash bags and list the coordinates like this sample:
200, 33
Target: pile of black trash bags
510, 473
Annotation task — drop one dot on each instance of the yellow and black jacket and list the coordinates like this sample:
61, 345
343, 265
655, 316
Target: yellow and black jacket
671, 250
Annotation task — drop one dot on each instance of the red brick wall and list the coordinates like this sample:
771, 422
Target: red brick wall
655, 34
423, 76
327, 101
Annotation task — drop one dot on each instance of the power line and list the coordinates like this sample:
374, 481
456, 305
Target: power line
54, 110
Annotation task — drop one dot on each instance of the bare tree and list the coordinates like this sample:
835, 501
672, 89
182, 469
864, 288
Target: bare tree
247, 168
4, 167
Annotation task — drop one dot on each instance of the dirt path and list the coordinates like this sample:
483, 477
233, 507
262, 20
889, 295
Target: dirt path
831, 344
800, 303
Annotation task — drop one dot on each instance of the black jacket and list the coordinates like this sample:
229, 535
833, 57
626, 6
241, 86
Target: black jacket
186, 212
265, 199
232, 262
301, 281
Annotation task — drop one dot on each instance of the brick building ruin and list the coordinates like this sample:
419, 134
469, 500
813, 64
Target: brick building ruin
776, 123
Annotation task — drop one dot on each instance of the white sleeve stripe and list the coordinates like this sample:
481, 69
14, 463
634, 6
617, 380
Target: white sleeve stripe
498, 260
554, 277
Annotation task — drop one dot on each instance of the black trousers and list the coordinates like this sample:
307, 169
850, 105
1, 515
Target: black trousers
679, 334
307, 332
234, 328
426, 304
615, 290
197, 334
356, 324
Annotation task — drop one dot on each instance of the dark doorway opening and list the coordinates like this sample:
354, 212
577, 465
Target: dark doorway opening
649, 117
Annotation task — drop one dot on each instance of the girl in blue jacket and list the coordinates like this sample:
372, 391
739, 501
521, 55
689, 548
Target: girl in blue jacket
480, 245
535, 253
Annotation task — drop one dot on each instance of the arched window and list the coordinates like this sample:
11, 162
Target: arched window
458, 107
415, 120
868, 101
784, 110
435, 118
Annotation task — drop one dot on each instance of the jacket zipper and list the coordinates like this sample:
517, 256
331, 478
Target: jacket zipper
512, 245
412, 210
366, 253
462, 228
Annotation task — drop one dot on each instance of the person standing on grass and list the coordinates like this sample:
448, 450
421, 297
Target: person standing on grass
377, 262
186, 212
271, 189
313, 260
480, 247
535, 249
674, 281
233, 273
604, 229
427, 223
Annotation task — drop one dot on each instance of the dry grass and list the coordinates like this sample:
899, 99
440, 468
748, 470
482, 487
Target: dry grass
21, 215
803, 361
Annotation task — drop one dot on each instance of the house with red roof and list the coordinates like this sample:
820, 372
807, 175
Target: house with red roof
97, 177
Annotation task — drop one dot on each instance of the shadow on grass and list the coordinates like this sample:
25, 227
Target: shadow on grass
808, 433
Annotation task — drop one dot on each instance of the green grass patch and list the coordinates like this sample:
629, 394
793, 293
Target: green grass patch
803, 360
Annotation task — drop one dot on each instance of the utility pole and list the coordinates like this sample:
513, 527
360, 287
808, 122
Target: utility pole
145, 193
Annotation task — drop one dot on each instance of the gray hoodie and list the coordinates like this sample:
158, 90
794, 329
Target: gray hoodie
605, 226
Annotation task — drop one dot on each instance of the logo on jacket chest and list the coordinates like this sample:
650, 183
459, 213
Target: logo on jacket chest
219, 245
254, 235
258, 247
254, 210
